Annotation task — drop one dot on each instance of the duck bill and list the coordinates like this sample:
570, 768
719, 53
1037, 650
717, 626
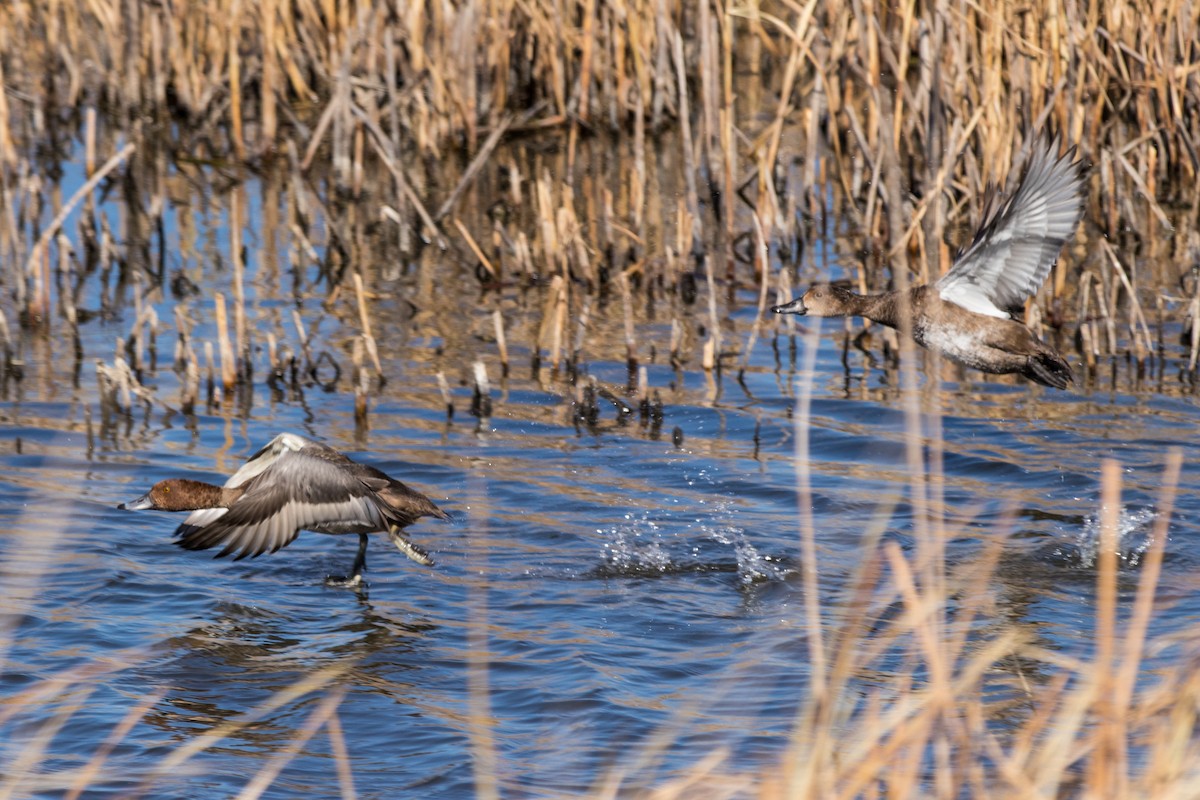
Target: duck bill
794, 307
141, 504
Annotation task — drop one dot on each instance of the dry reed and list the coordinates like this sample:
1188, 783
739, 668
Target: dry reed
900, 117
1129, 89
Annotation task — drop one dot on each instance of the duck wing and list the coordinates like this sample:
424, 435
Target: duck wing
289, 489
1020, 237
269, 454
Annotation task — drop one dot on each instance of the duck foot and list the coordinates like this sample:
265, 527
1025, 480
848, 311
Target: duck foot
355, 581
409, 548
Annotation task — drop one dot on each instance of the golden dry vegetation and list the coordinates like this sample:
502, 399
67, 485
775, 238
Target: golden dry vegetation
647, 152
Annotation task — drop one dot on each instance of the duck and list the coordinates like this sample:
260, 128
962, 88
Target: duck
293, 484
969, 315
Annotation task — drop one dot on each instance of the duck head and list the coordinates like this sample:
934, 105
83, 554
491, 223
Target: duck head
177, 495
821, 300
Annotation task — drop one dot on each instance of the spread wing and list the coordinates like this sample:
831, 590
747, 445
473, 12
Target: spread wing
298, 489
266, 457
1020, 238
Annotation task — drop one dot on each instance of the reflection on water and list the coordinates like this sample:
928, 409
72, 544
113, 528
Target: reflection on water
624, 569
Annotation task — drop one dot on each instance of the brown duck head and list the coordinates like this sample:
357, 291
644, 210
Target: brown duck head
821, 300
179, 495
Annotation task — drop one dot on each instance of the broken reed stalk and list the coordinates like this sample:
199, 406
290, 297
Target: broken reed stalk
362, 382
561, 310
712, 345
66, 270
479, 254
447, 397
685, 129
554, 317
676, 341
1087, 336
364, 321
6, 342
189, 388
131, 343
239, 293
631, 359
1105, 300
1194, 317
481, 400
118, 386
305, 348
210, 373
501, 341
229, 371
147, 320
89, 140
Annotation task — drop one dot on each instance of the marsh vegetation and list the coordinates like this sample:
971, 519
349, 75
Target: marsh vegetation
475, 231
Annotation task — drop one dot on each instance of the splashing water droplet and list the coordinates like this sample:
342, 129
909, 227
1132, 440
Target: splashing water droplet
637, 547
1133, 536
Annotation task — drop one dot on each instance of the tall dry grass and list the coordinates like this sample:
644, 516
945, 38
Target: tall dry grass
393, 113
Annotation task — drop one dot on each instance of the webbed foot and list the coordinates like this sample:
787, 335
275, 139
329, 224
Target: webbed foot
409, 548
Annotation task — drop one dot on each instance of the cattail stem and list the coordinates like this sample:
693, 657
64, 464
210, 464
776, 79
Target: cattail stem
501, 342
228, 366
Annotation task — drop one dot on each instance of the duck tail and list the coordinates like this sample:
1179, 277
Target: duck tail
1049, 369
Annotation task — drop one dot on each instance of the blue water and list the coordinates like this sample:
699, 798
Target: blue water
608, 600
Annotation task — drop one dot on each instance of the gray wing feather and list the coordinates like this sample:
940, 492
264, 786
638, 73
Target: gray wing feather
1020, 239
267, 457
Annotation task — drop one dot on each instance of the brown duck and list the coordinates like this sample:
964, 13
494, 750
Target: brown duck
968, 314
293, 484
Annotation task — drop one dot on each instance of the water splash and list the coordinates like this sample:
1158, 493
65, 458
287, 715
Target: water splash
642, 547
752, 566
1133, 536
636, 548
